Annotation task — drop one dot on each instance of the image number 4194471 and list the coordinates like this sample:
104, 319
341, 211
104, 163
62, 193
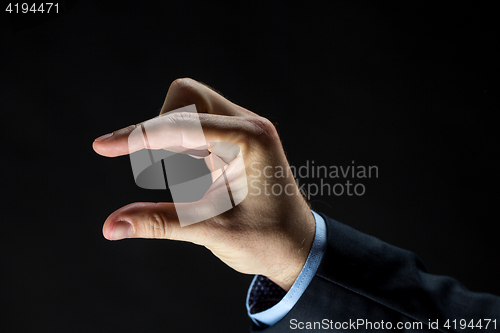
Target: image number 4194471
33, 8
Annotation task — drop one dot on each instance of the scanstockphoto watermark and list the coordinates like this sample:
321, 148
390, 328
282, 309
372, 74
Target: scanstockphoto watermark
312, 179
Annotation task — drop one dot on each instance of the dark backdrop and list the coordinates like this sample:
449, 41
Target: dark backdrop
409, 87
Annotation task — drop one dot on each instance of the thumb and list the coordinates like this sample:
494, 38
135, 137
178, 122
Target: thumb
149, 220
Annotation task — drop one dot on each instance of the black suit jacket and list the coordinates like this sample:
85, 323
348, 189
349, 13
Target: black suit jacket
361, 277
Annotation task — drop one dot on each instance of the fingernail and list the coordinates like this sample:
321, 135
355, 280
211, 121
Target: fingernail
104, 137
120, 230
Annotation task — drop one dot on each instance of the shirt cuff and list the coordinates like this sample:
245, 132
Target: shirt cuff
264, 292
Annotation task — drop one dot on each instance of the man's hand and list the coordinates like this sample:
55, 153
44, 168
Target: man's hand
266, 234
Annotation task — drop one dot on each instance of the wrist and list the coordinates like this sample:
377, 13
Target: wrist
294, 256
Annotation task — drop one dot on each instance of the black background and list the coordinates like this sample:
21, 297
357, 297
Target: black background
410, 87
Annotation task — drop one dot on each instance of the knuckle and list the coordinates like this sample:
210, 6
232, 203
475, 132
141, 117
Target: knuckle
157, 226
183, 84
264, 128
189, 91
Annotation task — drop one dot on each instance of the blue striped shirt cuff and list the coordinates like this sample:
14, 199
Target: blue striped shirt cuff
264, 291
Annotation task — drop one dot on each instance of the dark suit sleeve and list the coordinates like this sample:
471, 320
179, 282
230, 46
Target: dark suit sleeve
361, 277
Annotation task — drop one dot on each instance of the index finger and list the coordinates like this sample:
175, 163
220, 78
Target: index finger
179, 129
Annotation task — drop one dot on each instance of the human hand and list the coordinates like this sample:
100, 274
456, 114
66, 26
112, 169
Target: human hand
265, 234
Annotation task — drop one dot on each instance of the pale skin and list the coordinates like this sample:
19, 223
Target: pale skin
269, 235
